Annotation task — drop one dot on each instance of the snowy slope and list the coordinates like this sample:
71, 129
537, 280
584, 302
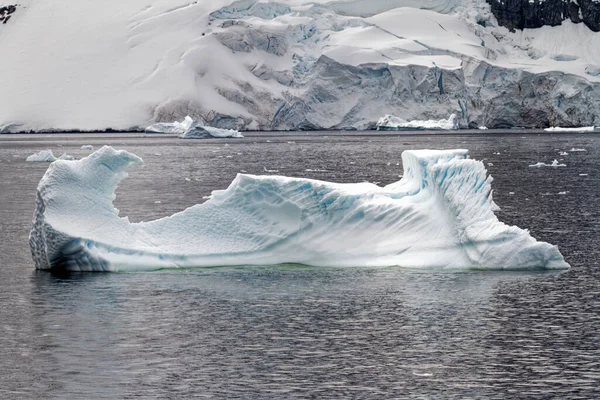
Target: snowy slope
294, 64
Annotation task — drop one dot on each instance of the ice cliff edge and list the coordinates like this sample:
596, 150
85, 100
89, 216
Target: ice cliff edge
439, 216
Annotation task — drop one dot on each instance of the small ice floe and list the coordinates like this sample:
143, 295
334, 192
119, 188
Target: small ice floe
497, 153
579, 129
483, 128
188, 179
423, 374
490, 164
271, 171
48, 156
158, 202
563, 153
583, 174
577, 150
315, 170
563, 193
87, 147
554, 164
511, 193
291, 142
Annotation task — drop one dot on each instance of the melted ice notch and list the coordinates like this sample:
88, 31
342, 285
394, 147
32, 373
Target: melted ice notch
440, 215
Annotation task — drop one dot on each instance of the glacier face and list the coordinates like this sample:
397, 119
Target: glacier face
291, 65
438, 216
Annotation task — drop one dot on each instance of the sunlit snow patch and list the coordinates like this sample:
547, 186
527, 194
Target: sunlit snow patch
439, 215
392, 123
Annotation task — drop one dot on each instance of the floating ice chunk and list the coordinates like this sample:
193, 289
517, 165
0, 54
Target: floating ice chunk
483, 128
198, 131
42, 156
48, 156
67, 157
563, 153
555, 164
579, 129
440, 215
392, 123
576, 150
172, 128
87, 147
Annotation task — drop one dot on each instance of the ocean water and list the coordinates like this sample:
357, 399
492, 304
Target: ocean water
295, 331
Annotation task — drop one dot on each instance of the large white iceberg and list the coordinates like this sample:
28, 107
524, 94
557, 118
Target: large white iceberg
171, 127
199, 131
440, 215
392, 123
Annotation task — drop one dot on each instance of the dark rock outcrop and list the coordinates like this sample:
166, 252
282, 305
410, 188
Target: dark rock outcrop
6, 11
521, 14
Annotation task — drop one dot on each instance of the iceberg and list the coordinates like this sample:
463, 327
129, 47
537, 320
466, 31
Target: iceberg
172, 128
87, 147
392, 123
198, 131
581, 129
47, 156
438, 216
555, 164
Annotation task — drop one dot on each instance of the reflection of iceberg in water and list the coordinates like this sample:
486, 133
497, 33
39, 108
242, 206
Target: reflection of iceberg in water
440, 215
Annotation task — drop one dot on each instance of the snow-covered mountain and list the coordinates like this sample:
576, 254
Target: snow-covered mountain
295, 64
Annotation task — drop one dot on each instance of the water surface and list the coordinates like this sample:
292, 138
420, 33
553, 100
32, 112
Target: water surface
292, 331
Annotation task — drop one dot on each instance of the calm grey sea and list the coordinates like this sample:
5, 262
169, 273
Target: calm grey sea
298, 332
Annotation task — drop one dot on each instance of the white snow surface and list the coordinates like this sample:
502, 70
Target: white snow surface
171, 127
47, 156
438, 216
199, 131
254, 64
390, 122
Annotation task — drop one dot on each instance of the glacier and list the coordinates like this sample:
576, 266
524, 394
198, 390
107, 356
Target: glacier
440, 215
291, 65
393, 123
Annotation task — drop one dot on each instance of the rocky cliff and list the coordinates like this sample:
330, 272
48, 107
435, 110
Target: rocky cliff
521, 14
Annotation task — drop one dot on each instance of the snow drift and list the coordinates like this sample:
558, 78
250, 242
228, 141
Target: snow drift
440, 215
